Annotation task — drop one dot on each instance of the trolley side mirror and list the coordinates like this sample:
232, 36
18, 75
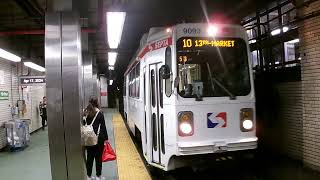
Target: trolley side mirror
165, 72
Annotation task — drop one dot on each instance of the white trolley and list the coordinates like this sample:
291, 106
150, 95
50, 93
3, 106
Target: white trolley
189, 91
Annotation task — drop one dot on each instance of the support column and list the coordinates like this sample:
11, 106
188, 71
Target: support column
95, 80
54, 95
64, 92
87, 77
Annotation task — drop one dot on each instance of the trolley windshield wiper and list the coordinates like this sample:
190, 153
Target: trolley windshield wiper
214, 80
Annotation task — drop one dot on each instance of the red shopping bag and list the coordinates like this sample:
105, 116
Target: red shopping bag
108, 153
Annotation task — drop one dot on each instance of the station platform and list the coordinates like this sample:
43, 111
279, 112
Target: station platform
130, 165
33, 163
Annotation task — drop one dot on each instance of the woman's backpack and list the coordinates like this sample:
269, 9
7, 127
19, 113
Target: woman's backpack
88, 136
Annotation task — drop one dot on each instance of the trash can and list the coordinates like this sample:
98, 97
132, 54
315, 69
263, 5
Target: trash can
17, 134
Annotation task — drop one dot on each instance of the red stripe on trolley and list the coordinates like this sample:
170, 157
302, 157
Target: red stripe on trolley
150, 47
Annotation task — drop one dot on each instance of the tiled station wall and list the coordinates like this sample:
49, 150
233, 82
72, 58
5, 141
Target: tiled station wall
290, 118
32, 95
309, 33
279, 116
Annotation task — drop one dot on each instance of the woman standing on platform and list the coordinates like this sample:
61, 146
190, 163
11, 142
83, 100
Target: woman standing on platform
99, 127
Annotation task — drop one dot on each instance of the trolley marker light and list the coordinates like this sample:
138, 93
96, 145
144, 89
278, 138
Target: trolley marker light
112, 57
246, 119
34, 66
212, 30
110, 82
115, 22
9, 56
185, 123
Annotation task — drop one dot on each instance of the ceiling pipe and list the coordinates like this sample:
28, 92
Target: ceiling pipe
39, 32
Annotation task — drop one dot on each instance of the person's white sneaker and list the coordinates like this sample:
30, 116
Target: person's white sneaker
90, 178
100, 178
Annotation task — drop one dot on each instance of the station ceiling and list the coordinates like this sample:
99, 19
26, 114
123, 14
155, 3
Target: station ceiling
27, 15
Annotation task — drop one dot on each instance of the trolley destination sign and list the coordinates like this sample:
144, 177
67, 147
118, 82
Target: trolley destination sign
190, 43
32, 80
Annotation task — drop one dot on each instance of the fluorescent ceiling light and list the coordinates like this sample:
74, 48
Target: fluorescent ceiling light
34, 66
275, 32
115, 22
110, 82
111, 67
9, 56
112, 57
294, 41
252, 41
278, 31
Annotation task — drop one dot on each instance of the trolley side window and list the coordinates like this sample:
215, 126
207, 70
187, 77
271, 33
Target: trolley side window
124, 86
137, 81
154, 132
168, 61
160, 89
134, 82
153, 98
130, 83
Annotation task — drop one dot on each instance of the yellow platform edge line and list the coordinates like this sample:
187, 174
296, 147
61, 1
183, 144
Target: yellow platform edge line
130, 164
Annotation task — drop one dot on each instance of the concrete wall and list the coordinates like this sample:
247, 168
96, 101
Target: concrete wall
309, 33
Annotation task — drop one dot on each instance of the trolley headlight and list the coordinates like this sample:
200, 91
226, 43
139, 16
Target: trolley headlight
247, 124
185, 128
246, 119
185, 123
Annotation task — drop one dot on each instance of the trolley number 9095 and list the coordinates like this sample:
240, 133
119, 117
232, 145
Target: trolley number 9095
191, 30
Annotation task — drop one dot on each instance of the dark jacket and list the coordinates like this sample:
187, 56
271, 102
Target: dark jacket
103, 130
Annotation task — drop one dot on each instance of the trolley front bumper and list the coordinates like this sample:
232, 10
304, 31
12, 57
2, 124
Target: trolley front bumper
191, 148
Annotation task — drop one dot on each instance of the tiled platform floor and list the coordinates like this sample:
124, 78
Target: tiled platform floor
34, 163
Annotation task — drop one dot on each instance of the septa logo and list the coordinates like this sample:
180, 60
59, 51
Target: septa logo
217, 120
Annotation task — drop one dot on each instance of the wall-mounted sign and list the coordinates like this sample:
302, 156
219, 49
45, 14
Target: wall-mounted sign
4, 95
32, 80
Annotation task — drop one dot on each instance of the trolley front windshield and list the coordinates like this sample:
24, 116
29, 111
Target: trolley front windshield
212, 67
